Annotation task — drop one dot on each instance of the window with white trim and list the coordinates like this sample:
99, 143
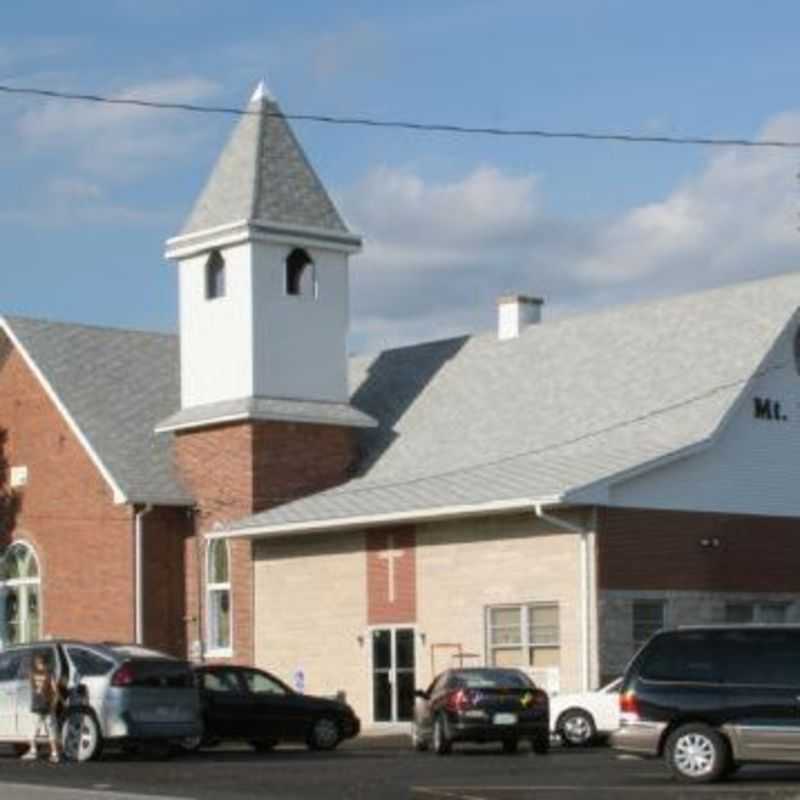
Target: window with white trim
756, 612
524, 635
19, 595
218, 597
649, 616
301, 274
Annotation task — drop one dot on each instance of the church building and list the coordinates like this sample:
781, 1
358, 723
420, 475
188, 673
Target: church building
544, 495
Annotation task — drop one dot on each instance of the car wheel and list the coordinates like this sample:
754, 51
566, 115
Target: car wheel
510, 746
442, 745
576, 728
190, 744
696, 753
324, 734
418, 741
81, 739
541, 744
263, 745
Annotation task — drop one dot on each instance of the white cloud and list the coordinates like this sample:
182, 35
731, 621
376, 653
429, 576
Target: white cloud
437, 254
118, 141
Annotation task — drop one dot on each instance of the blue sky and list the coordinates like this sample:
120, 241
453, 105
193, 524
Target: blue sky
89, 194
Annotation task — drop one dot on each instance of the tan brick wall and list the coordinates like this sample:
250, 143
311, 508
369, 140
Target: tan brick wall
464, 566
311, 597
311, 610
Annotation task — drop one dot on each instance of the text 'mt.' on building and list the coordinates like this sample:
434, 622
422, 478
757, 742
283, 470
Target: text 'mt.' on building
543, 496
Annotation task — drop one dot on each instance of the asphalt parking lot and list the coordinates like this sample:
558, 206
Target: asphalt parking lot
376, 768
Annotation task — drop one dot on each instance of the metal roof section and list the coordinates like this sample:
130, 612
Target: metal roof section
566, 405
265, 409
263, 177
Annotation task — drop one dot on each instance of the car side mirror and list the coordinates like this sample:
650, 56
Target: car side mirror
423, 695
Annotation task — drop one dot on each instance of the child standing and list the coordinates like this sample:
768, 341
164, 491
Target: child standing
44, 698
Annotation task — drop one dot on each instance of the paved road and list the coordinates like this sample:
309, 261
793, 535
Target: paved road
384, 770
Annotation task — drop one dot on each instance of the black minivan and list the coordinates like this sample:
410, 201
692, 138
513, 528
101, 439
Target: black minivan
710, 698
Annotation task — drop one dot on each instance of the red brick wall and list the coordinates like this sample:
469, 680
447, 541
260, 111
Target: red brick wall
84, 541
381, 608
658, 550
164, 536
237, 469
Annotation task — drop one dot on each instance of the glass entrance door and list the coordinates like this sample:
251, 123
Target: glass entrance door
393, 677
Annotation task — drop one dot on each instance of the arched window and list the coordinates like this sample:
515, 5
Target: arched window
215, 275
218, 593
19, 595
301, 277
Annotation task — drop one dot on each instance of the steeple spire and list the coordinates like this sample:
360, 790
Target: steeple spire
262, 93
264, 179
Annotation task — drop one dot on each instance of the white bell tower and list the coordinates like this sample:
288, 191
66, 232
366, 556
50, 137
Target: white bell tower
263, 286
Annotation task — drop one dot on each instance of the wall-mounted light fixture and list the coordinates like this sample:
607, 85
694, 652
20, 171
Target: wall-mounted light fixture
709, 542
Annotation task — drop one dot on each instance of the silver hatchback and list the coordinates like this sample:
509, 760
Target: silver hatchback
117, 694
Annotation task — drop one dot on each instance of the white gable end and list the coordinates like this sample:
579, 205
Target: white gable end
752, 466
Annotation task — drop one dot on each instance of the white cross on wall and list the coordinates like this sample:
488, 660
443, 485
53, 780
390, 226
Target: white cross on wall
389, 555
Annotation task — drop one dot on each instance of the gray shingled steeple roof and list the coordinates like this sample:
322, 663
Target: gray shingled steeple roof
264, 176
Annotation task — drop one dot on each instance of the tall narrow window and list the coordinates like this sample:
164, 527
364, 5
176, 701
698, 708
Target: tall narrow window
301, 278
215, 275
218, 589
19, 595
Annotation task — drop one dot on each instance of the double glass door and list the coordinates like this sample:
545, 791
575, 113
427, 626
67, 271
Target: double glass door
393, 677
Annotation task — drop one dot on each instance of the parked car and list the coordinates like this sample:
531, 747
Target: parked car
480, 704
256, 707
118, 694
709, 699
581, 718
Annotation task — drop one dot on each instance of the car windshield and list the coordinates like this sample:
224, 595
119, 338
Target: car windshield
612, 687
493, 679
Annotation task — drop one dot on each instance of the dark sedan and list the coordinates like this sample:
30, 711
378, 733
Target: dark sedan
251, 705
482, 705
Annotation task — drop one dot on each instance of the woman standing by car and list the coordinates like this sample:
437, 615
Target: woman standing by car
44, 700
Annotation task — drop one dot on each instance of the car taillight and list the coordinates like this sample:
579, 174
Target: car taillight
628, 707
123, 676
459, 700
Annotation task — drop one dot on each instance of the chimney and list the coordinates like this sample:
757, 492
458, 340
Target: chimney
515, 312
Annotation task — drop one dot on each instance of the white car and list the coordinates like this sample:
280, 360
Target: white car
580, 718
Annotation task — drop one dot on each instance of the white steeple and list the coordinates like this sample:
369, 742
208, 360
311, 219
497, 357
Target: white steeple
263, 282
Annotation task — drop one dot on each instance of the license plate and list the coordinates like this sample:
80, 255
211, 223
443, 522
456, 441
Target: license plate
505, 719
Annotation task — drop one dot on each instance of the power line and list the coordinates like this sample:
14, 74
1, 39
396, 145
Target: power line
420, 127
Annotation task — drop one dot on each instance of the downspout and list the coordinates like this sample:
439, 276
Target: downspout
584, 588
138, 527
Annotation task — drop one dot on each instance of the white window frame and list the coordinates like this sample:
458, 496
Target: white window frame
525, 644
24, 583
212, 649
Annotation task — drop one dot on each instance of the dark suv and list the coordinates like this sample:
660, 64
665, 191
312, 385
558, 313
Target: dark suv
711, 698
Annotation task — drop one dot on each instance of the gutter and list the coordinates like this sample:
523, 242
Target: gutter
138, 530
585, 584
376, 520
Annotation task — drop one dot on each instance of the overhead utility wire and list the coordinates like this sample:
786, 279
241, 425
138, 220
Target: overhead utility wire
424, 127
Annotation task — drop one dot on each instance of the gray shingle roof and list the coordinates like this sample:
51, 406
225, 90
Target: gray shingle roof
116, 385
264, 176
567, 404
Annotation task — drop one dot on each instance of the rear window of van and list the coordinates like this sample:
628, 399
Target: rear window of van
685, 657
